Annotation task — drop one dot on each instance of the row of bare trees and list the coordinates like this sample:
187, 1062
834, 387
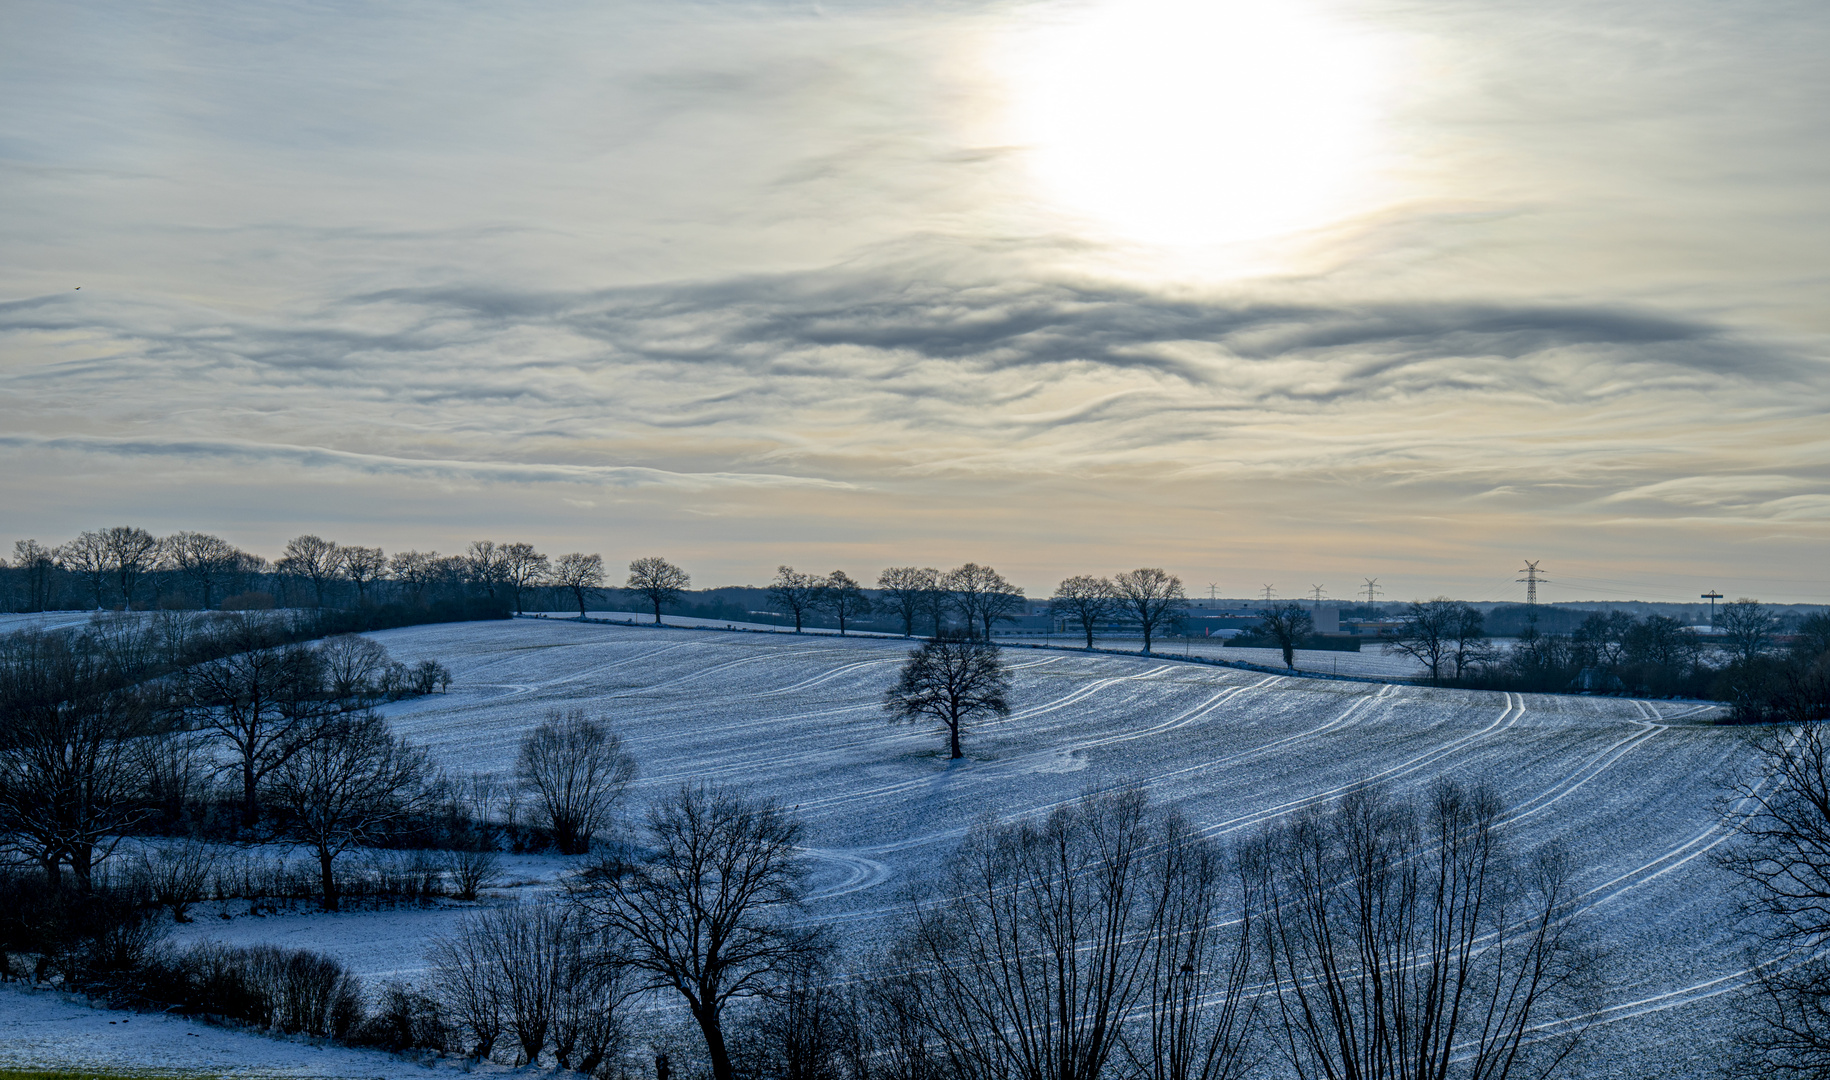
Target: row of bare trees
1374, 937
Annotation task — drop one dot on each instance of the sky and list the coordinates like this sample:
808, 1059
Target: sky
1295, 294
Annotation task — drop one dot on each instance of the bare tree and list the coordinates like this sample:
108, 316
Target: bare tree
416, 571
87, 556
982, 596
363, 565
657, 581
522, 568
582, 574
794, 593
1086, 600
1288, 625
1407, 941
1057, 934
313, 558
1441, 634
951, 681
1783, 862
708, 910
203, 560
1749, 628
347, 786
1151, 595
576, 772
38, 564
906, 588
130, 554
264, 702
466, 979
841, 596
355, 667
177, 873
69, 781
482, 566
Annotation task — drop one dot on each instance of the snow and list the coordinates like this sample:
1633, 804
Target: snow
1631, 788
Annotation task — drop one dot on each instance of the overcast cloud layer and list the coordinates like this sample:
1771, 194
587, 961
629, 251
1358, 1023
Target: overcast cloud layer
751, 284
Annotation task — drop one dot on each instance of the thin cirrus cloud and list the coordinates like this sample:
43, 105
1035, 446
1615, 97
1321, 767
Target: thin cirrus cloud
765, 283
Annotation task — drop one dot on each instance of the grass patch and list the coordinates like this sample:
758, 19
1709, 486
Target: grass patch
8, 1073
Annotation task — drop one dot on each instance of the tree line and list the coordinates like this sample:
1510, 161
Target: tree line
1743, 663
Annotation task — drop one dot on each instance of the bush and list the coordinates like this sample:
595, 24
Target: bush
404, 1019
295, 991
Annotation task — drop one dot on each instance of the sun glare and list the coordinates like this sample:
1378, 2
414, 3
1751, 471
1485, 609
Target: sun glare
1199, 122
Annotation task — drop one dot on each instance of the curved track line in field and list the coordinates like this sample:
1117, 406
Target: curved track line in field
1588, 771
1021, 764
860, 873
1345, 719
833, 674
1515, 708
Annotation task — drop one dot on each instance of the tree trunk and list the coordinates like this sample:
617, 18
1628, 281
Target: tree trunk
1087, 624
329, 883
82, 865
1146, 636
714, 1044
953, 741
250, 806
657, 612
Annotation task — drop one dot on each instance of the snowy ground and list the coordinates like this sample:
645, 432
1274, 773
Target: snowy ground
39, 1028
1632, 788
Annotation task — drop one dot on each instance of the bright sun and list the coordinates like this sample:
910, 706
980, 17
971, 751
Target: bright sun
1195, 122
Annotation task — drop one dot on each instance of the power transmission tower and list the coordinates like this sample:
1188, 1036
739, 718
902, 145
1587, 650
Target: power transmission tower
1712, 596
1372, 590
1531, 579
1213, 591
1269, 594
1317, 590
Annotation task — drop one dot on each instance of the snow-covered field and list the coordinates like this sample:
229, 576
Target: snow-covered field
1631, 787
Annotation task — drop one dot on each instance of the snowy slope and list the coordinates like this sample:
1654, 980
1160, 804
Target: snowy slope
1630, 787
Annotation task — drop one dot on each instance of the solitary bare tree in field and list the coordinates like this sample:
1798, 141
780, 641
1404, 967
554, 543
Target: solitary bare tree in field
951, 681
658, 581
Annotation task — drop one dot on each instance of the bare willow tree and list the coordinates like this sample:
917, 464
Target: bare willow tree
418, 571
86, 556
1783, 861
1085, 600
582, 574
950, 681
483, 566
708, 910
794, 593
523, 568
657, 581
364, 565
1152, 596
346, 787
205, 561
904, 588
38, 565
1077, 941
576, 772
841, 597
1288, 625
313, 558
1408, 941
